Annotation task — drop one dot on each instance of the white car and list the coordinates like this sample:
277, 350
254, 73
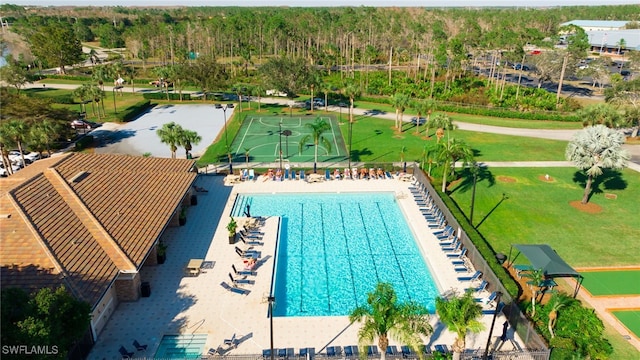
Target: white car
3, 171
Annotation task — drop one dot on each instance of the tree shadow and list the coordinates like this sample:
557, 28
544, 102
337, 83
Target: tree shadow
356, 155
609, 180
484, 174
376, 132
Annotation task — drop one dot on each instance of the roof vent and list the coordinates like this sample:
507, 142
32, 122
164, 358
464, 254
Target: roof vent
79, 176
5, 216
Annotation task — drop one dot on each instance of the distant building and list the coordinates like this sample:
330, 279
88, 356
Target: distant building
597, 25
609, 37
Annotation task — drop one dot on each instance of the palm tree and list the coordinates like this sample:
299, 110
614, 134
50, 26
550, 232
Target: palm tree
422, 107
246, 155
399, 101
460, 314
187, 138
99, 74
42, 134
536, 277
384, 316
317, 128
14, 131
257, 90
602, 113
170, 134
85, 93
557, 302
352, 91
595, 148
448, 153
325, 88
442, 122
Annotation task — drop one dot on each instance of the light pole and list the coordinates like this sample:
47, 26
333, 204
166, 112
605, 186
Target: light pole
271, 300
118, 87
493, 322
280, 146
311, 97
350, 131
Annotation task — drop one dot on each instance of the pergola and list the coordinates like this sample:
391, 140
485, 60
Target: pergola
543, 257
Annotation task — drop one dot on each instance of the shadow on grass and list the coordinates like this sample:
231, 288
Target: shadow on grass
356, 155
484, 174
504, 197
609, 180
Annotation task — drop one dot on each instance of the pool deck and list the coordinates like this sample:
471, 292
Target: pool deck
183, 304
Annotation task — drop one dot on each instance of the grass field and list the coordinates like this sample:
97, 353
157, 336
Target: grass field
514, 206
630, 319
614, 282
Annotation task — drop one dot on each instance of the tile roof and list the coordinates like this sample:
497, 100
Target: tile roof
80, 219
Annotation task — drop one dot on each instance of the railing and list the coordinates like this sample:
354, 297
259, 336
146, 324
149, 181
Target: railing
516, 318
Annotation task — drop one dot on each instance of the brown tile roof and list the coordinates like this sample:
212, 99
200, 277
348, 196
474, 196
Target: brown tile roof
82, 218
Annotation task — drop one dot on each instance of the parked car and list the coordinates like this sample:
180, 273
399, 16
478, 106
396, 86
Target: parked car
80, 124
3, 171
520, 66
418, 121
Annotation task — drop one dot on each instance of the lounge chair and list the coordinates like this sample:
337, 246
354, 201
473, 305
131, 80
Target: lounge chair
346, 174
333, 351
241, 280
139, 347
372, 350
125, 354
441, 348
498, 309
327, 174
459, 255
248, 254
301, 174
252, 174
406, 351
389, 176
231, 343
473, 277
351, 350
292, 175
483, 285
234, 289
308, 353
392, 350
488, 299
285, 353
243, 272
266, 353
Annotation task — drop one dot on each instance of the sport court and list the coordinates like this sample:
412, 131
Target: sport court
612, 282
263, 136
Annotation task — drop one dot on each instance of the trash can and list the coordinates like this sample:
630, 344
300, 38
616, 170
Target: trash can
501, 258
145, 289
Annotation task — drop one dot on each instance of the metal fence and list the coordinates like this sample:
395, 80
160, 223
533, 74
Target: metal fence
517, 320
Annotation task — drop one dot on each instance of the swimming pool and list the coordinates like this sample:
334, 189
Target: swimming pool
335, 248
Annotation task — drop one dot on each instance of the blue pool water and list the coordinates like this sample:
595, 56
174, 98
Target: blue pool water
181, 346
335, 248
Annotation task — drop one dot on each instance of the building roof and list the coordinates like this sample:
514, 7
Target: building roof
612, 24
612, 38
80, 219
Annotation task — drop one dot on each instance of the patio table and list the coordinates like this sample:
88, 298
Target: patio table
193, 267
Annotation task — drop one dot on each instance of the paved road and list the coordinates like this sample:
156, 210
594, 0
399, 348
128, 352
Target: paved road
563, 135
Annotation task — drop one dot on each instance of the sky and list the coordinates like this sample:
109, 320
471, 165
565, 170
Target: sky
324, 3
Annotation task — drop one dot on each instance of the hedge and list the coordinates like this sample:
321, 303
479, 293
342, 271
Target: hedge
163, 96
133, 111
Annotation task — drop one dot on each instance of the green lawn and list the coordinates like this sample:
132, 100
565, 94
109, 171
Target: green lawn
622, 282
534, 212
630, 319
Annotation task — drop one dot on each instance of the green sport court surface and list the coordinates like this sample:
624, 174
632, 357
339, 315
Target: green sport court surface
630, 319
612, 282
260, 135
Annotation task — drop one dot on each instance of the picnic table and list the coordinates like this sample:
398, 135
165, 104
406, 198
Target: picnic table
193, 267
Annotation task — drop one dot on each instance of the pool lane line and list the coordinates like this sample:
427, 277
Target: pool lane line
373, 260
326, 269
404, 280
346, 243
301, 257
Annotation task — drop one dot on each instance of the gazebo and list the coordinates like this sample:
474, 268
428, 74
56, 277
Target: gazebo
543, 257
